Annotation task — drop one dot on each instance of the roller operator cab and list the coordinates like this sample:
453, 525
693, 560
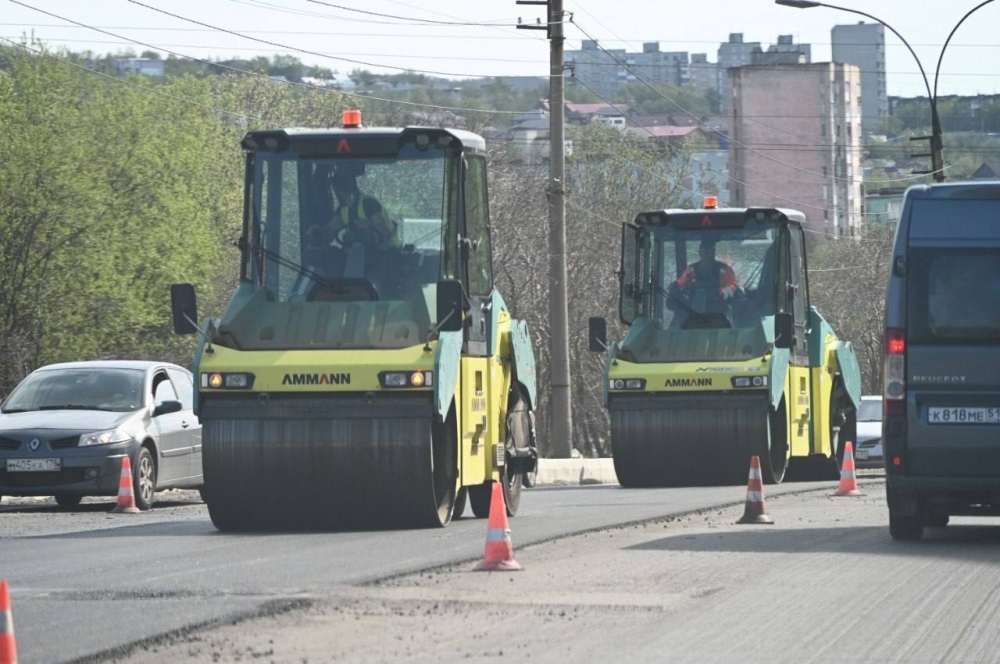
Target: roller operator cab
724, 358
941, 388
366, 372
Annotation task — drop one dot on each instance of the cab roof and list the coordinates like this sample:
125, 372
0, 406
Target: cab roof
700, 218
257, 140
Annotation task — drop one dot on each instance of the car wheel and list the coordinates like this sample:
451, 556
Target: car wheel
68, 499
144, 479
906, 528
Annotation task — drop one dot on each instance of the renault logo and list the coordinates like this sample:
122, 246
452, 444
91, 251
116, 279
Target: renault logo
34, 444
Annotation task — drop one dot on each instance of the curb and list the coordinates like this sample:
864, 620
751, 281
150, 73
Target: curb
574, 472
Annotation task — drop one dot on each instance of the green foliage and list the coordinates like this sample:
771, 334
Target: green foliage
107, 198
111, 190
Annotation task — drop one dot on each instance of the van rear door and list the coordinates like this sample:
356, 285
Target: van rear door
953, 338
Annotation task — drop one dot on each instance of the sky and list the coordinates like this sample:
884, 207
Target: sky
474, 38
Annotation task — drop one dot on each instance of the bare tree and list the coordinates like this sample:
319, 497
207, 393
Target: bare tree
610, 179
848, 278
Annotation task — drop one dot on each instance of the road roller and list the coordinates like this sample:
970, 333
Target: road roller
724, 358
366, 372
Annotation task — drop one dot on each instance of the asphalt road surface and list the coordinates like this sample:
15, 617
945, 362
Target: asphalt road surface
824, 583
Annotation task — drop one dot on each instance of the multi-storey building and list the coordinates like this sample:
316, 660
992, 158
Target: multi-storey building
863, 44
704, 74
786, 44
662, 66
599, 69
733, 53
795, 142
604, 71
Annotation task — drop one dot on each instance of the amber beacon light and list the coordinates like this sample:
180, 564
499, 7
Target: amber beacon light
351, 118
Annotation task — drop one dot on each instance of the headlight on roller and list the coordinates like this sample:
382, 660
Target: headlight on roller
241, 380
627, 384
404, 379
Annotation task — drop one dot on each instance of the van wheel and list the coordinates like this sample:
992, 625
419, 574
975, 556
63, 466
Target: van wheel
906, 528
936, 520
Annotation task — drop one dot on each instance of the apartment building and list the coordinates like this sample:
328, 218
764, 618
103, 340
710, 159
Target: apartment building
733, 53
795, 141
863, 44
598, 69
605, 70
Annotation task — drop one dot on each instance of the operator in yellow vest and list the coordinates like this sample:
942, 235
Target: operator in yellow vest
357, 217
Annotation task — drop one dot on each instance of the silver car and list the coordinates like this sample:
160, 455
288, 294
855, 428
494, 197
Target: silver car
66, 427
868, 448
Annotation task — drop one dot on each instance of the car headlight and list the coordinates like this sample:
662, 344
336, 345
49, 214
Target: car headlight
104, 437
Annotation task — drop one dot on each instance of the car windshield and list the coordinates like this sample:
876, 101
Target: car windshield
870, 411
118, 390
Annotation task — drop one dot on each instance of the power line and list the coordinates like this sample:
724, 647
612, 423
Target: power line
421, 35
291, 48
278, 50
409, 18
260, 4
286, 82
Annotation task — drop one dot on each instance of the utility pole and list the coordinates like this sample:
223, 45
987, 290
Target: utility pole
560, 406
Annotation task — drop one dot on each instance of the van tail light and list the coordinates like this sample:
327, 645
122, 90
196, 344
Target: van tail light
894, 394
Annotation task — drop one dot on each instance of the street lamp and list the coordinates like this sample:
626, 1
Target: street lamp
937, 156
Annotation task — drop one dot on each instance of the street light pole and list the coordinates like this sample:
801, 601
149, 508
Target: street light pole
937, 145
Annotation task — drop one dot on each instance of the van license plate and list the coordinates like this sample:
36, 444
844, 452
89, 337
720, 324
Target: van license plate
963, 415
862, 455
33, 465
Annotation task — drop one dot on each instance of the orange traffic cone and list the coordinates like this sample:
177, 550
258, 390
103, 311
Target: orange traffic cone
126, 499
848, 481
8, 649
756, 510
499, 553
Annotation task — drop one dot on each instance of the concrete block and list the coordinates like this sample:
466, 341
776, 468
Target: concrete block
572, 472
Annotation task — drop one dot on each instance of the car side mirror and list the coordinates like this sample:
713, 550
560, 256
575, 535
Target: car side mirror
184, 307
598, 333
167, 407
450, 305
784, 329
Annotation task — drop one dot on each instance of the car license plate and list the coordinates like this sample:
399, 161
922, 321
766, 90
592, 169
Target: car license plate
33, 465
861, 455
963, 415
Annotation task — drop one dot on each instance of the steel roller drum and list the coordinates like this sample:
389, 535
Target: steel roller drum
687, 440
306, 462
